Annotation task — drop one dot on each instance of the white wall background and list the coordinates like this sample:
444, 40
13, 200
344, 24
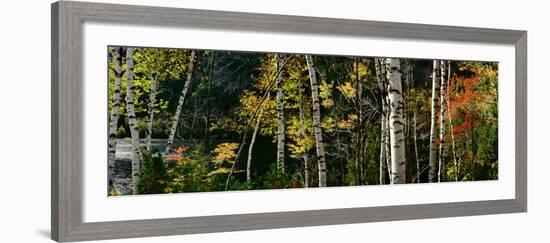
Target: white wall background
25, 121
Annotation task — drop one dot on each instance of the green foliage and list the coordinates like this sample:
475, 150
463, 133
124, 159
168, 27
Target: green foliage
190, 174
272, 179
154, 177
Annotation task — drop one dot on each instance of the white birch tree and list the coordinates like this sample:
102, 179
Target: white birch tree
151, 109
319, 146
359, 167
181, 101
304, 136
252, 141
387, 142
280, 117
432, 174
115, 107
398, 161
453, 145
382, 161
443, 105
383, 119
132, 121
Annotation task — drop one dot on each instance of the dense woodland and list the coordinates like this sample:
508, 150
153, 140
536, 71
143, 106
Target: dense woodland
243, 120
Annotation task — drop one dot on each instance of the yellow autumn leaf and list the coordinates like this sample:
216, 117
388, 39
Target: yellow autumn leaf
327, 103
221, 170
225, 152
325, 90
348, 123
347, 89
328, 124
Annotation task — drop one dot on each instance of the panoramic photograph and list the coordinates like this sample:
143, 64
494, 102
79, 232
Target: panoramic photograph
187, 120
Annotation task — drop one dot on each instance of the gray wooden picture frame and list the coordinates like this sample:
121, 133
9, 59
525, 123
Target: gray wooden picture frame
67, 119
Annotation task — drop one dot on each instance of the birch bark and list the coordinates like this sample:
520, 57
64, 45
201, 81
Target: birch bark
359, 130
317, 123
443, 105
388, 142
451, 127
252, 141
382, 162
435, 94
398, 162
280, 117
304, 136
383, 118
151, 109
115, 107
176, 117
132, 121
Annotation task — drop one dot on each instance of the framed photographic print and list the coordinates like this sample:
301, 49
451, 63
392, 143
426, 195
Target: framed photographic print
177, 121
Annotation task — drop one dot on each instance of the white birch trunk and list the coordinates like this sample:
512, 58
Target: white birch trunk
435, 94
443, 105
387, 143
176, 117
383, 119
280, 117
132, 121
398, 162
304, 136
382, 161
251, 146
387, 109
317, 123
359, 130
451, 129
387, 128
151, 109
456, 174
115, 107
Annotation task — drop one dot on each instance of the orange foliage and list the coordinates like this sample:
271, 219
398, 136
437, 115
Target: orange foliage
462, 96
182, 149
463, 92
465, 126
173, 157
176, 156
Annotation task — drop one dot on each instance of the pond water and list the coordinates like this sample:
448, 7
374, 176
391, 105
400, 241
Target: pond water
123, 162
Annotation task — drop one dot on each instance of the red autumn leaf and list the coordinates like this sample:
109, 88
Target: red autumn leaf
173, 157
